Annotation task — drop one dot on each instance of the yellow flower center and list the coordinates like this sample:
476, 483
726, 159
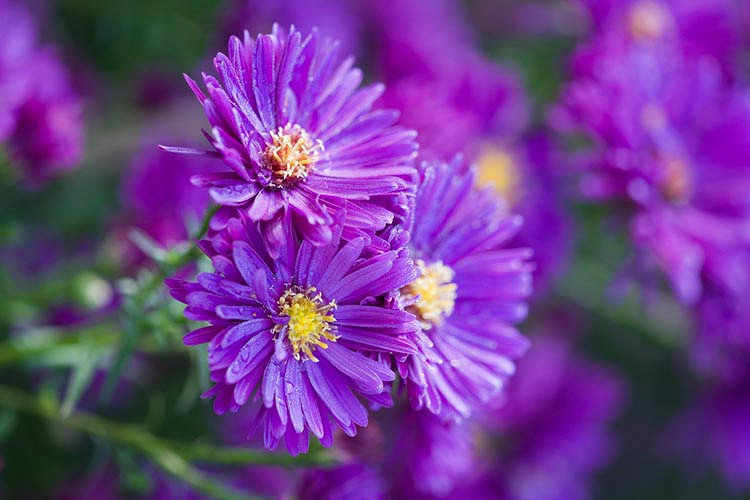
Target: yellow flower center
498, 169
648, 20
310, 320
677, 181
432, 295
292, 155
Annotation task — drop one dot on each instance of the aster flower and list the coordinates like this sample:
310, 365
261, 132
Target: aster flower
48, 136
301, 143
408, 43
288, 336
470, 292
430, 457
159, 199
669, 141
554, 423
353, 480
714, 428
40, 113
421, 455
478, 98
340, 19
527, 177
17, 39
702, 28
436, 77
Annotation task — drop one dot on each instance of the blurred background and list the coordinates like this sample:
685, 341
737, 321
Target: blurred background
98, 395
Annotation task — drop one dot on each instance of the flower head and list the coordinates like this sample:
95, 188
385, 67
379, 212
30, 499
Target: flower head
701, 29
672, 146
352, 480
300, 141
292, 336
471, 290
527, 176
554, 424
40, 113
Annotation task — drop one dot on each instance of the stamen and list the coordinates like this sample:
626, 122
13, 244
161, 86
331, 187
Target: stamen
677, 181
310, 320
432, 296
648, 20
292, 155
498, 169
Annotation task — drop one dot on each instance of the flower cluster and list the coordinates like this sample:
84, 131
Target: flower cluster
40, 113
669, 144
338, 263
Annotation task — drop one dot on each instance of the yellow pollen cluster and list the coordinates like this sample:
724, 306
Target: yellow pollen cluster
434, 293
648, 20
677, 182
498, 169
310, 320
291, 155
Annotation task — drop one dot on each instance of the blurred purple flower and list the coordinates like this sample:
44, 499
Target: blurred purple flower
714, 428
430, 457
408, 43
300, 142
472, 288
160, 200
354, 480
554, 424
701, 28
669, 140
293, 328
477, 98
17, 39
40, 113
438, 77
339, 19
528, 178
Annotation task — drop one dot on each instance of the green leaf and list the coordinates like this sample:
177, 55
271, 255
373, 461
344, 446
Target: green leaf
80, 379
147, 245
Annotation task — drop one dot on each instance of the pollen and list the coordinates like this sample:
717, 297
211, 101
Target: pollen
498, 169
677, 181
310, 323
291, 155
432, 296
648, 20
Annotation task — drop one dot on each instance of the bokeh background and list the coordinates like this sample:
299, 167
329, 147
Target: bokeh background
607, 404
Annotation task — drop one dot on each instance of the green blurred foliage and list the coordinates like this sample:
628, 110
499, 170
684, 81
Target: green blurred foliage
121, 37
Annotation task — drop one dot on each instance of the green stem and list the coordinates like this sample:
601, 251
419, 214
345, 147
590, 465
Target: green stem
203, 228
172, 456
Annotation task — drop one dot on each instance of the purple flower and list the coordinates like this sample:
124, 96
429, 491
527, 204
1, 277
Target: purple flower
48, 135
670, 143
714, 428
17, 39
420, 454
301, 142
339, 19
440, 76
354, 480
527, 177
478, 98
430, 457
289, 336
408, 43
40, 113
159, 198
554, 424
701, 28
471, 291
